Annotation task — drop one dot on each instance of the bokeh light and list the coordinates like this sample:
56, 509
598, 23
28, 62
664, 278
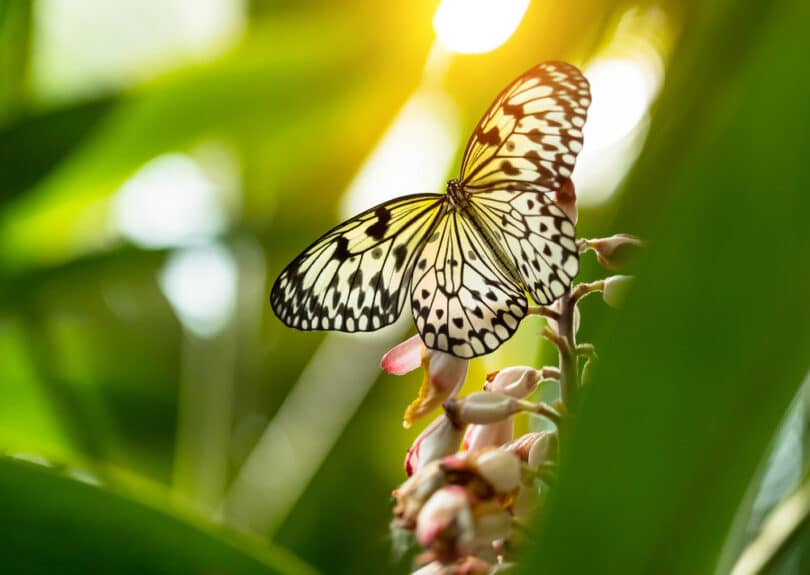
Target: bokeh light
622, 90
169, 202
200, 283
85, 46
625, 78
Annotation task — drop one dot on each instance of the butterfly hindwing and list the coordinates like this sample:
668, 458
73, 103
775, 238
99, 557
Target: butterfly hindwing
530, 136
537, 235
464, 301
356, 276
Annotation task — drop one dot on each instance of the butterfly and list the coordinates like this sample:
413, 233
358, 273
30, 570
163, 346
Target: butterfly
465, 258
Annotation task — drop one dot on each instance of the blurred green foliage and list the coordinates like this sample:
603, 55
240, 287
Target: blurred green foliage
55, 521
700, 368
695, 374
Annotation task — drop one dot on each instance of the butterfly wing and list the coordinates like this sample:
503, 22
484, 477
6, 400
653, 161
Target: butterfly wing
356, 276
523, 149
530, 136
538, 236
465, 301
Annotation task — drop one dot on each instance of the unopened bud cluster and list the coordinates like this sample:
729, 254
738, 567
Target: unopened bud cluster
472, 484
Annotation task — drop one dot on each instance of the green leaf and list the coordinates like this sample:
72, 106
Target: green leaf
699, 369
51, 519
33, 145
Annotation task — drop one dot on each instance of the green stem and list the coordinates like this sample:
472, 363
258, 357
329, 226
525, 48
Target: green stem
569, 370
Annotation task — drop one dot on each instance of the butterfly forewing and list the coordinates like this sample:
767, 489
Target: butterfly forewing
464, 301
530, 136
356, 276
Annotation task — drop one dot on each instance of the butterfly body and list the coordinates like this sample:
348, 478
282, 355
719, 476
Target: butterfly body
464, 259
458, 199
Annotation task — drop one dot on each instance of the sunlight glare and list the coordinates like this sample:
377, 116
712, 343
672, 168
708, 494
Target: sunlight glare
477, 26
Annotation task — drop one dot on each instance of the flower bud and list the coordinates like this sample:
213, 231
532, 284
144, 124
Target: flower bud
444, 377
522, 445
615, 291
417, 489
404, 357
518, 381
479, 437
443, 374
499, 468
492, 523
446, 519
484, 407
544, 449
614, 252
438, 439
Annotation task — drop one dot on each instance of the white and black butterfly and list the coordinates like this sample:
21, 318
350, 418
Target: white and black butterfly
464, 258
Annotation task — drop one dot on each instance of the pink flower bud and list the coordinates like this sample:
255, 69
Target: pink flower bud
499, 468
446, 519
614, 252
615, 291
444, 377
417, 489
518, 381
404, 357
479, 437
443, 374
438, 439
522, 445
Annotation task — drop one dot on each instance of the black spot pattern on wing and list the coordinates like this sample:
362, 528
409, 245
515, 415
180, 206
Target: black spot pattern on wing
356, 276
530, 136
